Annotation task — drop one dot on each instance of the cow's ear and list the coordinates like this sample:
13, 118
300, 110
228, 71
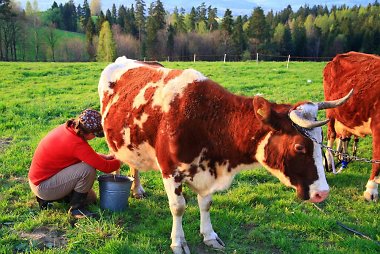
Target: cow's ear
264, 112
262, 108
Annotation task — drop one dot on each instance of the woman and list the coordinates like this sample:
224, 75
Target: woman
64, 164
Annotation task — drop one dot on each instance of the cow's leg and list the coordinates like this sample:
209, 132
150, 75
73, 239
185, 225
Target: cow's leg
210, 238
331, 136
177, 207
137, 190
371, 192
330, 156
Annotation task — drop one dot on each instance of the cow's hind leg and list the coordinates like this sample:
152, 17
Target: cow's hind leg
177, 205
371, 193
137, 189
210, 238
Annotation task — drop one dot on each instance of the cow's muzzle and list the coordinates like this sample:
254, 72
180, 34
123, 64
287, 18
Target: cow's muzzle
319, 196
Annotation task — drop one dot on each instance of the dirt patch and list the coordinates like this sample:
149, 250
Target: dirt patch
5, 142
45, 237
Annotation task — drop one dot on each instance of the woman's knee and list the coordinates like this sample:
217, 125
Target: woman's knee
89, 171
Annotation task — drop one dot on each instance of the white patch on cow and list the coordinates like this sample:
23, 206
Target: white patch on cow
205, 183
143, 119
260, 156
321, 183
141, 157
164, 95
109, 105
360, 131
113, 72
140, 97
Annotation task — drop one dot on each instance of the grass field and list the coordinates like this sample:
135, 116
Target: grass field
256, 214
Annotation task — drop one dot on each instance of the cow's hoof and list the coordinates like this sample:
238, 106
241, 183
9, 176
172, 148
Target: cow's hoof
371, 196
139, 195
184, 249
215, 243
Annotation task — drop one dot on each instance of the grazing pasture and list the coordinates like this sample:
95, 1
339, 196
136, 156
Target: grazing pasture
257, 214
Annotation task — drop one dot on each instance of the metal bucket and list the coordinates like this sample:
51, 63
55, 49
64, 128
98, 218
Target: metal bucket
114, 192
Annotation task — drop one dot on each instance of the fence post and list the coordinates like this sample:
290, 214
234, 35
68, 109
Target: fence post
287, 65
144, 59
224, 60
195, 57
168, 58
257, 57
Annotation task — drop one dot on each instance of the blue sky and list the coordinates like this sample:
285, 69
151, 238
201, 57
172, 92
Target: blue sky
238, 7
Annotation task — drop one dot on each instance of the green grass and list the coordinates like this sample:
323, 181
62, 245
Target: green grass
256, 214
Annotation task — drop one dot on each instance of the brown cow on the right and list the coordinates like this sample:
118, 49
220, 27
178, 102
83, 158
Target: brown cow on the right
360, 116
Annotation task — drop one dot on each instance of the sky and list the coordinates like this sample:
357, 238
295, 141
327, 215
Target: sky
238, 7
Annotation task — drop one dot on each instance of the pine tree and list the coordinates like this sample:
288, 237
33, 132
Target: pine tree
258, 27
106, 46
90, 31
212, 16
159, 14
109, 17
86, 14
227, 23
190, 20
122, 17
130, 22
140, 18
113, 14
239, 37
151, 32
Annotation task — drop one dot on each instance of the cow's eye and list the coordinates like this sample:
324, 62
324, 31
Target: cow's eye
299, 148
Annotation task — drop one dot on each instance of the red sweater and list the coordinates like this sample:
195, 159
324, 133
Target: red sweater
62, 148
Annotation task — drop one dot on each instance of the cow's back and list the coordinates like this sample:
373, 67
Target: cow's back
358, 71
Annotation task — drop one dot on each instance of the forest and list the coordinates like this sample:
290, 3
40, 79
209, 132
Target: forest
85, 32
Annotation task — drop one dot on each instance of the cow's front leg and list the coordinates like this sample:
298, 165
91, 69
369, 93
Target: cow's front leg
210, 238
137, 189
371, 193
177, 205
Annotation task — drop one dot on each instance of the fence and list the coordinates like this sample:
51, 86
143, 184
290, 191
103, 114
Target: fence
237, 58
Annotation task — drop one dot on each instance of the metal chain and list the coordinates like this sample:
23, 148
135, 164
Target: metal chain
336, 153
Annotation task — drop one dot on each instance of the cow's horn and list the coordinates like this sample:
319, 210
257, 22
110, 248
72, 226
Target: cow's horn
296, 117
336, 103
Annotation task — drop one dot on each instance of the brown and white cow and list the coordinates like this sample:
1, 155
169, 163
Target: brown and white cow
194, 131
360, 116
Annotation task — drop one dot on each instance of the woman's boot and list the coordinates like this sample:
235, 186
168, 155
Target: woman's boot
78, 206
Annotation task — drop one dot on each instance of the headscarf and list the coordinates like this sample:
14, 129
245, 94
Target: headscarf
89, 121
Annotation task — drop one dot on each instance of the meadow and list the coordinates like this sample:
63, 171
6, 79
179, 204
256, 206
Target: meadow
257, 214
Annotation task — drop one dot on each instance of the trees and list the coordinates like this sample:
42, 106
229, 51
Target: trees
140, 18
90, 32
308, 31
69, 16
106, 47
31, 13
155, 23
258, 28
52, 38
212, 16
238, 36
95, 7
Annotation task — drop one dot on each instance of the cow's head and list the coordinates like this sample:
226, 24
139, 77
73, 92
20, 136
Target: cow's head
288, 151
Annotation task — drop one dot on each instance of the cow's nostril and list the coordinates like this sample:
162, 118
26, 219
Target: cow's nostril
319, 196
